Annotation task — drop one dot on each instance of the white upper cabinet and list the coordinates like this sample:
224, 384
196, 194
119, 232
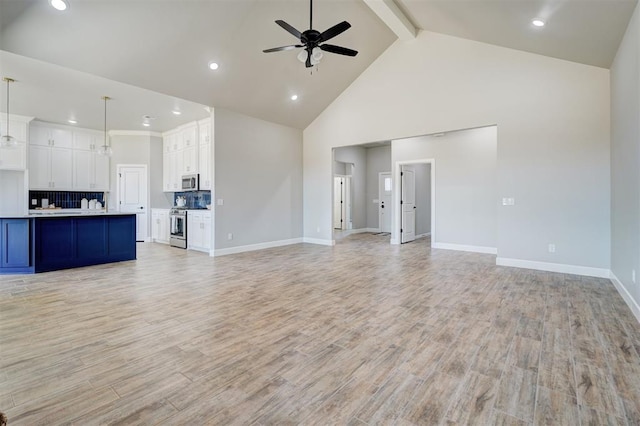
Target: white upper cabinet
205, 158
50, 157
87, 140
189, 136
50, 168
15, 158
65, 158
51, 136
180, 155
90, 170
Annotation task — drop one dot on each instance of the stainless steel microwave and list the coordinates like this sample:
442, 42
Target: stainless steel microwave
191, 182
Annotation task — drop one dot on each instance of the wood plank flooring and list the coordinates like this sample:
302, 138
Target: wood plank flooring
360, 333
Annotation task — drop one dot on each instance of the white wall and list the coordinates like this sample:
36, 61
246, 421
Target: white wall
139, 148
553, 137
466, 187
357, 156
625, 163
378, 161
258, 174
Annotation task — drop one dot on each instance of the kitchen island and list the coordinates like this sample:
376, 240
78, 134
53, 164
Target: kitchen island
48, 242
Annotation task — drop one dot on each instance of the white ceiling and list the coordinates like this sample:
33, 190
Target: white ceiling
65, 61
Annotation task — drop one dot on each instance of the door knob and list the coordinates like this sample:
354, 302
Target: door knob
141, 208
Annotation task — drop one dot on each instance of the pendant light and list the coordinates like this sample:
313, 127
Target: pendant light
105, 149
8, 141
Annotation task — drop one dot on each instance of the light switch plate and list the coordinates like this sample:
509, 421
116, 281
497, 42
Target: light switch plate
220, 201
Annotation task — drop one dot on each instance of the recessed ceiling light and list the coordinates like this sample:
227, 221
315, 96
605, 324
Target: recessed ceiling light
538, 22
213, 65
59, 4
146, 124
176, 112
72, 121
294, 97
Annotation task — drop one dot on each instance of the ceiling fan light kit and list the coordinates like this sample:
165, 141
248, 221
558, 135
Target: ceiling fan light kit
313, 41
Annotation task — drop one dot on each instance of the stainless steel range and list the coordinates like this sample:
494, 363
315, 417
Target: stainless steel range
178, 228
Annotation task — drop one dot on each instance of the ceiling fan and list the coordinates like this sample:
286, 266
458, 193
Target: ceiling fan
313, 41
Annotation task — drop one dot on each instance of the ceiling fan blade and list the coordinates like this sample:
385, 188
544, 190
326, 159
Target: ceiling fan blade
338, 49
280, 49
297, 34
334, 31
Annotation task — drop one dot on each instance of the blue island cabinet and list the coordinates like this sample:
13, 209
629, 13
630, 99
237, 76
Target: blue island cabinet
70, 242
15, 249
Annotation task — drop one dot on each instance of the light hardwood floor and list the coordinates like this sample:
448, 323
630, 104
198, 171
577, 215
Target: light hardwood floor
360, 333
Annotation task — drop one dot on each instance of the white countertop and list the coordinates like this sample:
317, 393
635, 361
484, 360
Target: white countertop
63, 213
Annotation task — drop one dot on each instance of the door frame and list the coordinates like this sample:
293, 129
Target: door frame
148, 202
343, 204
396, 214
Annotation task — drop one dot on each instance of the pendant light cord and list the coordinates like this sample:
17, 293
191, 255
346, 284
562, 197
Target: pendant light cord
105, 122
8, 80
106, 98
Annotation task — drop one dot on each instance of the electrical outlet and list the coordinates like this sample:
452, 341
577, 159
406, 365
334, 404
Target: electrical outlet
230, 236
34, 202
318, 229
552, 248
633, 276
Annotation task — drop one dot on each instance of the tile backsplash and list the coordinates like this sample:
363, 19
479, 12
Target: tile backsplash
64, 199
195, 199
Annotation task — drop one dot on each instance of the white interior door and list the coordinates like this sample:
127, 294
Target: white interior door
408, 204
339, 205
132, 196
384, 196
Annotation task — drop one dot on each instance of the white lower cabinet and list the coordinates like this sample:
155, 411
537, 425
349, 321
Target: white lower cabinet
199, 230
160, 226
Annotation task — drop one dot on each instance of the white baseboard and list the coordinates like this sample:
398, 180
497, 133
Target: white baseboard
463, 247
319, 241
252, 247
554, 267
632, 304
354, 231
374, 230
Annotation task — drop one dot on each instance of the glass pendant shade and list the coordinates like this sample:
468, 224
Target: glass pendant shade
105, 150
8, 141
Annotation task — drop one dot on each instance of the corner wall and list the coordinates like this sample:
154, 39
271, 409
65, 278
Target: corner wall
625, 165
553, 139
258, 175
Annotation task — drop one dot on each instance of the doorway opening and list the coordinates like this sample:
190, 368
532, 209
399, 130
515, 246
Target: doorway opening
342, 203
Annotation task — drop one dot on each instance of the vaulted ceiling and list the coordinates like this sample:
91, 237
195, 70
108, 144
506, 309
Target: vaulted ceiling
151, 55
